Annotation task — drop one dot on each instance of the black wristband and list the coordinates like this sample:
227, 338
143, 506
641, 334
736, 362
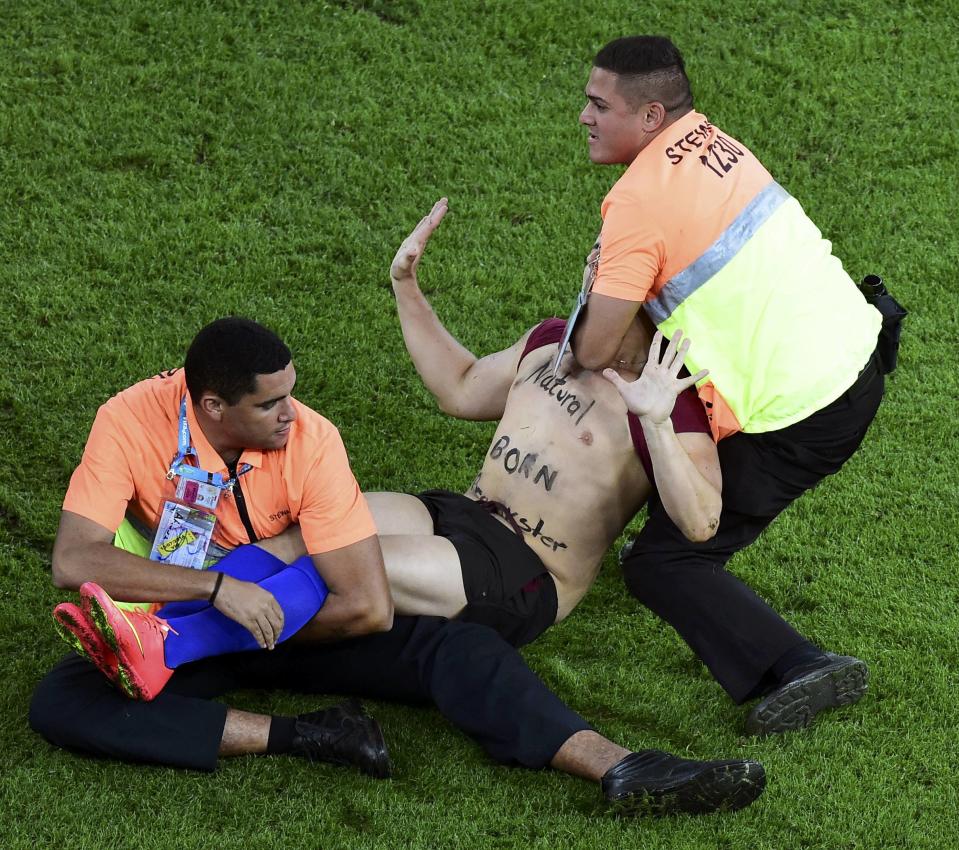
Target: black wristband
216, 587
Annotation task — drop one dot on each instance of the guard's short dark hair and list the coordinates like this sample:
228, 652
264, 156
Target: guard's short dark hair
651, 68
226, 356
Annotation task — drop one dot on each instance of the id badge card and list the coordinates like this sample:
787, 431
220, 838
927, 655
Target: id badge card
184, 534
589, 277
197, 493
570, 324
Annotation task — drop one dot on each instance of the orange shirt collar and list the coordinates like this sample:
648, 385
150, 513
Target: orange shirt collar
679, 128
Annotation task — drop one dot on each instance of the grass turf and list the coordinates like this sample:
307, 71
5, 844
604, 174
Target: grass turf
162, 165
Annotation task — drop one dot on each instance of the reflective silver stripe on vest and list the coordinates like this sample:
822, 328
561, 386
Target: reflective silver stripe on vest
710, 263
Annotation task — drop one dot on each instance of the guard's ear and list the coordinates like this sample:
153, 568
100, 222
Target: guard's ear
654, 114
212, 405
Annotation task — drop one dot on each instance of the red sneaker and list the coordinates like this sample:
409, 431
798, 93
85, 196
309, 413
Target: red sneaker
74, 626
137, 639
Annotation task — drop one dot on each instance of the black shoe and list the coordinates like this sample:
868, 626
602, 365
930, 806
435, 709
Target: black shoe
651, 782
344, 734
810, 688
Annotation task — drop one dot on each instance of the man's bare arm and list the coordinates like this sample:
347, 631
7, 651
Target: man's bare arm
359, 600
688, 475
464, 385
688, 479
600, 330
84, 551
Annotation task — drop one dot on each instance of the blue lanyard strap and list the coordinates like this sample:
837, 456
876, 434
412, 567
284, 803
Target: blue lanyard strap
178, 465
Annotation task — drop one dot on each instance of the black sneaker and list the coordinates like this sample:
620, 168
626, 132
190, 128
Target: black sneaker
809, 689
652, 782
344, 734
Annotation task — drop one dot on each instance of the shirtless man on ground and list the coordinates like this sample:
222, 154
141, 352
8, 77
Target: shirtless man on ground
573, 459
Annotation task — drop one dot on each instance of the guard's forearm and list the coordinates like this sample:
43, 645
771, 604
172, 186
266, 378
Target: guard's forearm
591, 349
126, 576
600, 330
692, 502
438, 357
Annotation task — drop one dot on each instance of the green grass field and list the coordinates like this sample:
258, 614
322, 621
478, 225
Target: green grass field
164, 164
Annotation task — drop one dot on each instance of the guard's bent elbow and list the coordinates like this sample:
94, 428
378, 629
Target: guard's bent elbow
591, 359
386, 623
374, 617
382, 620
594, 350
63, 576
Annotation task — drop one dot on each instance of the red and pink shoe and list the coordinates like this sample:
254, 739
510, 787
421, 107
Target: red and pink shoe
135, 637
75, 627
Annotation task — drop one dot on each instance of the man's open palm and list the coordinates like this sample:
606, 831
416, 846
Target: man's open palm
408, 256
653, 394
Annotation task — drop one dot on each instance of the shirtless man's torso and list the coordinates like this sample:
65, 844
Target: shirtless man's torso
572, 460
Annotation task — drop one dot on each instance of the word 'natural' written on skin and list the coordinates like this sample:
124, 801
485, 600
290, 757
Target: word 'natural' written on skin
553, 386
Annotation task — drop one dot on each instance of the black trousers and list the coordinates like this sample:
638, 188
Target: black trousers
726, 624
477, 680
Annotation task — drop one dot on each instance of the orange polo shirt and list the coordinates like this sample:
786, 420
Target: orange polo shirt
671, 204
698, 230
134, 438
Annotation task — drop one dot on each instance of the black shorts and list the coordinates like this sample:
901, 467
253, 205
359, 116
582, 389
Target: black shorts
507, 587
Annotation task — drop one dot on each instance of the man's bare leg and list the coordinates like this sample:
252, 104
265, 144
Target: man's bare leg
399, 513
589, 755
393, 513
244, 733
288, 545
342, 734
424, 574
423, 569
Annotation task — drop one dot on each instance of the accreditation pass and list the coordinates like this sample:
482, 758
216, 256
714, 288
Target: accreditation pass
183, 535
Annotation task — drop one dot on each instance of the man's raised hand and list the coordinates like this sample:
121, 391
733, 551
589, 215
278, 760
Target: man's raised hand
651, 396
408, 256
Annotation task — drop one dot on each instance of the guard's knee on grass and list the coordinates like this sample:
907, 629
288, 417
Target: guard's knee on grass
45, 715
64, 697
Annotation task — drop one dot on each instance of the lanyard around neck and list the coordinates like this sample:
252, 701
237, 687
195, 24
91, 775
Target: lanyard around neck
185, 449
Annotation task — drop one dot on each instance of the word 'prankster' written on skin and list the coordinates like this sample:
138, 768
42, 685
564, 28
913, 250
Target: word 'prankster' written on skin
535, 531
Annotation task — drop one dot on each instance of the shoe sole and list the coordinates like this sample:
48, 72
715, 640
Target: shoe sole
76, 634
719, 788
126, 679
797, 704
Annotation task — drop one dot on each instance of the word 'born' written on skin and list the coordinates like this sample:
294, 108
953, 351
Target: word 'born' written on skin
516, 461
